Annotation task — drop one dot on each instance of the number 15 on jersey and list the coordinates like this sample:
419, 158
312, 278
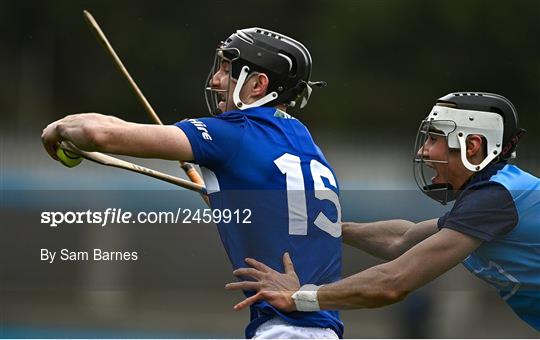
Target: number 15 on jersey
290, 166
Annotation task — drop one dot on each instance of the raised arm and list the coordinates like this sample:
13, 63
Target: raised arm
97, 132
387, 239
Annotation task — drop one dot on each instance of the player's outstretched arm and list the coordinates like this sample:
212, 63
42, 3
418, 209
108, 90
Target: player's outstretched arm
375, 287
387, 239
97, 132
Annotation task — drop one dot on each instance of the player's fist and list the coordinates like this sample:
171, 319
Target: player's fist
51, 139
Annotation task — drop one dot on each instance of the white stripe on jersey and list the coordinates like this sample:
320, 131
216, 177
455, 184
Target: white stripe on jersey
210, 180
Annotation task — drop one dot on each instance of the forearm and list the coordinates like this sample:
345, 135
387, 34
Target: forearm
391, 282
375, 287
91, 132
96, 132
380, 239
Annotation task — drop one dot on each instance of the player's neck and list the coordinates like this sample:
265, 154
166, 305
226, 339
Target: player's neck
281, 107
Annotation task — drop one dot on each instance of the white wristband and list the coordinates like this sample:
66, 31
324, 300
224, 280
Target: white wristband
305, 298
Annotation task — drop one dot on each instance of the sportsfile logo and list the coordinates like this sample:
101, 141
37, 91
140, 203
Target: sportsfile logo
201, 127
119, 216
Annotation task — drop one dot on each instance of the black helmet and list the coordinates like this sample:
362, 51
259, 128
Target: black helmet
285, 61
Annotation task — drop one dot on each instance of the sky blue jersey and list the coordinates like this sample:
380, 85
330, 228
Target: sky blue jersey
501, 205
265, 161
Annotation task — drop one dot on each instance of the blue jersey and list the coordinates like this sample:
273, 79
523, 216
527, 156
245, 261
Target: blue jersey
501, 205
264, 160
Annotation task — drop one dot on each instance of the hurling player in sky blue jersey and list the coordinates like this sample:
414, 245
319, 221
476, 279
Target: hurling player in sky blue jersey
493, 228
254, 156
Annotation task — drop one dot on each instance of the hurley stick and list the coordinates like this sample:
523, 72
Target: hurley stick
187, 167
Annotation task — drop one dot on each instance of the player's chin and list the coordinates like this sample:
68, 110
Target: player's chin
437, 179
222, 106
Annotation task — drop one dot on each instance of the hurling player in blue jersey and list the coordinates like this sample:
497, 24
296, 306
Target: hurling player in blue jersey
254, 157
493, 227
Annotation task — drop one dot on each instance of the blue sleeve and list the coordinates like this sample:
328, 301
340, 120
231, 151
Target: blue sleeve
214, 141
484, 211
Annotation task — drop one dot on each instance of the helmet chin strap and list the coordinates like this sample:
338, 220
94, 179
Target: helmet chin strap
236, 94
465, 161
440, 192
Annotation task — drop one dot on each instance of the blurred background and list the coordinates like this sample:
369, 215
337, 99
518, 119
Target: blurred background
385, 62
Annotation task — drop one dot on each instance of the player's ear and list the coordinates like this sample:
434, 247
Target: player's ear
474, 145
260, 84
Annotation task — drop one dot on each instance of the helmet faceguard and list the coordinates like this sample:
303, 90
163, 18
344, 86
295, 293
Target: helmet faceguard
212, 95
285, 61
424, 169
457, 116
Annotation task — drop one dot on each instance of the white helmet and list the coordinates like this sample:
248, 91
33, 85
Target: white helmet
459, 115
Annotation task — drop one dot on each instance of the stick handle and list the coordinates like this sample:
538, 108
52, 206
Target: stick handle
194, 176
192, 173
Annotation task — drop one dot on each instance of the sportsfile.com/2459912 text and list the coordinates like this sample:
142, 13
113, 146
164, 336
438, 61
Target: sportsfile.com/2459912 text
114, 215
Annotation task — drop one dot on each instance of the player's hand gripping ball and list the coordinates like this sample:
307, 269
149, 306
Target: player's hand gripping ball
67, 158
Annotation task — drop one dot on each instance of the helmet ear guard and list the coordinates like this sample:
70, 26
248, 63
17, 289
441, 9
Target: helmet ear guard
236, 94
494, 103
466, 123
